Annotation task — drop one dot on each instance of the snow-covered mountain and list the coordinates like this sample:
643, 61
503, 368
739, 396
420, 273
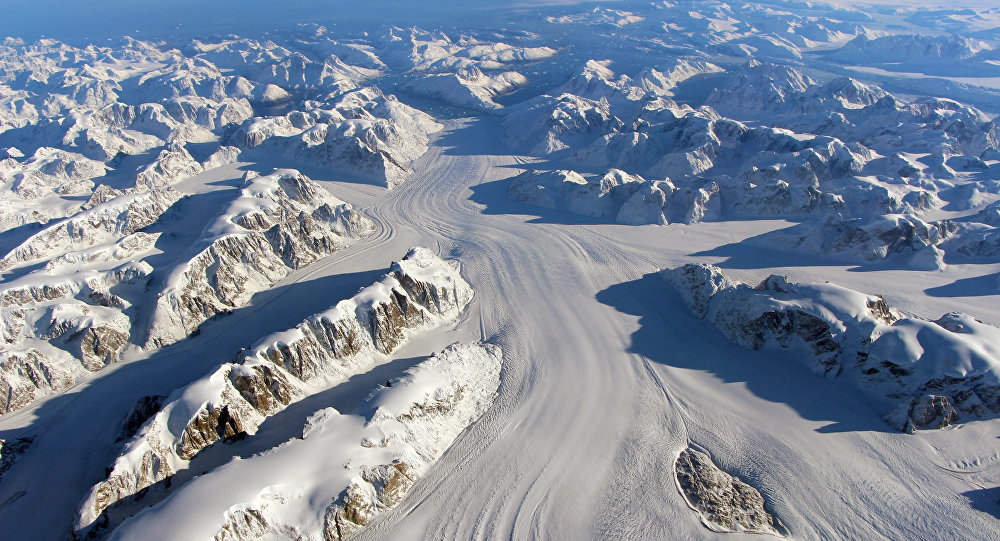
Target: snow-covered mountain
83, 285
276, 223
419, 293
682, 274
933, 372
347, 468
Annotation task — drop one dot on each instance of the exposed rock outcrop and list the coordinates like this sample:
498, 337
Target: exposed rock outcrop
30, 374
277, 223
94, 334
890, 239
144, 408
926, 412
725, 502
929, 373
52, 334
10, 450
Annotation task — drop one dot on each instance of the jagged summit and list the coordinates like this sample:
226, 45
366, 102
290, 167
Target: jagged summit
688, 268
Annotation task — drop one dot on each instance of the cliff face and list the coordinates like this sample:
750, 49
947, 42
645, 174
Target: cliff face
929, 373
52, 334
277, 223
241, 398
93, 334
420, 292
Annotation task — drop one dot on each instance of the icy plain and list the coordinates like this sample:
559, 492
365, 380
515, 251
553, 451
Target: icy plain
198, 247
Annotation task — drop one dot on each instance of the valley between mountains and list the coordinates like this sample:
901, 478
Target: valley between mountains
678, 270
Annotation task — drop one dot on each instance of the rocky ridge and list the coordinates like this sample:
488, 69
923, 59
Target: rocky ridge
391, 442
275, 224
927, 373
420, 292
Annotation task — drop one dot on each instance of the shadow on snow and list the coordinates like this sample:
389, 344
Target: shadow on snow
979, 286
277, 429
670, 335
99, 422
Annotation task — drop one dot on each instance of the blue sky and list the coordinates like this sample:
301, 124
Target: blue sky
95, 20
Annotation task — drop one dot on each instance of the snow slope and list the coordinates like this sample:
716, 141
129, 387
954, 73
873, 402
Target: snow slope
607, 376
419, 293
349, 467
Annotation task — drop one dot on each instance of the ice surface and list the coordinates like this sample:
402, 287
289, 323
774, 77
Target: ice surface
230, 175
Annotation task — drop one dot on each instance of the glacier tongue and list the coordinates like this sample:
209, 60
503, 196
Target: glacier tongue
420, 292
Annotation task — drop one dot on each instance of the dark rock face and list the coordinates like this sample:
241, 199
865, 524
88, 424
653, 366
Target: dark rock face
390, 320
27, 295
265, 388
209, 426
725, 502
96, 346
784, 325
87, 323
10, 450
905, 236
946, 399
143, 409
932, 411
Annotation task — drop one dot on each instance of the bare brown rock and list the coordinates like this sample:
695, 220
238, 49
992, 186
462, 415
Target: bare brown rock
355, 508
725, 502
27, 375
209, 426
